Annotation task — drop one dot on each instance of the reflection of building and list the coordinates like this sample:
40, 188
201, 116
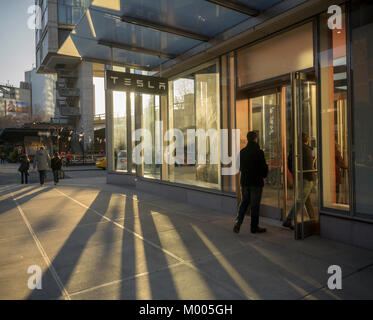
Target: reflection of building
43, 95
283, 73
74, 78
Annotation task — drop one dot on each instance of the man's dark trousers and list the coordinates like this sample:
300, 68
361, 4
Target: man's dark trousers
42, 175
250, 197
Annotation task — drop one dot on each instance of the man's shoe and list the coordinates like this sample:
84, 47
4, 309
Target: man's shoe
287, 224
258, 230
236, 228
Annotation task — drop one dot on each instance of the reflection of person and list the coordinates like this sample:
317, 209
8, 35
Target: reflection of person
339, 165
24, 169
308, 178
68, 159
115, 159
254, 170
42, 163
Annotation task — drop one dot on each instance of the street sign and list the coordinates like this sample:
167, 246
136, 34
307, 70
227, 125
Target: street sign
123, 81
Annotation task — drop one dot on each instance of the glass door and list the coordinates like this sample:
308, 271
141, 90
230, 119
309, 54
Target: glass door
305, 213
265, 119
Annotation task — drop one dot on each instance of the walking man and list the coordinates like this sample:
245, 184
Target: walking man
56, 164
254, 170
24, 169
42, 162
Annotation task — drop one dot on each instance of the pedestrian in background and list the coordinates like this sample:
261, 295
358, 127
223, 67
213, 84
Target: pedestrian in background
24, 168
68, 159
3, 157
56, 164
42, 162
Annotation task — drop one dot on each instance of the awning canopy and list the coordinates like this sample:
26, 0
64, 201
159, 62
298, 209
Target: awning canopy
146, 33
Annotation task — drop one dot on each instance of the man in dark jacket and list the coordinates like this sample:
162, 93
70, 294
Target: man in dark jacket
254, 170
56, 164
308, 178
24, 169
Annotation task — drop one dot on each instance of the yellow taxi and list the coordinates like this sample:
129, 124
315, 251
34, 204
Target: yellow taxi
101, 163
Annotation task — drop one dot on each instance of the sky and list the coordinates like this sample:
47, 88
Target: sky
17, 41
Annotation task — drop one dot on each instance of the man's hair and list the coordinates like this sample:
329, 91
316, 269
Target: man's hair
41, 148
251, 136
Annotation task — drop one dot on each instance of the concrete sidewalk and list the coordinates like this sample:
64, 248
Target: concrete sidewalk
98, 241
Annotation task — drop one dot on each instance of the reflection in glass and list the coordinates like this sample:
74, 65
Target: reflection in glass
362, 105
119, 131
195, 105
264, 116
151, 114
333, 71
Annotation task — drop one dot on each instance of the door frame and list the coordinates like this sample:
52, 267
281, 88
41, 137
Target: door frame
301, 229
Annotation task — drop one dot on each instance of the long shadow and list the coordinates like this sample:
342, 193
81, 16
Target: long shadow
150, 232
223, 268
70, 253
128, 245
185, 234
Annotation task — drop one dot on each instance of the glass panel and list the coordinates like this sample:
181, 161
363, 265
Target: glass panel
333, 74
150, 114
119, 131
305, 149
195, 105
264, 111
362, 105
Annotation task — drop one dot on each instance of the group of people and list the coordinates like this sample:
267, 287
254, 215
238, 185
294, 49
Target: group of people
42, 163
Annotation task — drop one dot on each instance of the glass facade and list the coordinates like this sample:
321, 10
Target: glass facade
120, 131
70, 11
194, 106
292, 106
362, 105
334, 115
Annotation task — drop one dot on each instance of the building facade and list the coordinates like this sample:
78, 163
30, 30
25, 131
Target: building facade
294, 71
74, 81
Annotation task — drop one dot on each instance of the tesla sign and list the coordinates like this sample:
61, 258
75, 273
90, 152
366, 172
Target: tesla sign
123, 81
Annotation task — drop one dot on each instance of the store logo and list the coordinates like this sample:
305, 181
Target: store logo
34, 281
202, 147
34, 21
335, 21
335, 280
124, 81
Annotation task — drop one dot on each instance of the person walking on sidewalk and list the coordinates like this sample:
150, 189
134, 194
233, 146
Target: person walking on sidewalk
56, 164
24, 169
42, 162
254, 170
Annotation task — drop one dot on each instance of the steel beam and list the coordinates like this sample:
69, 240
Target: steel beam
136, 49
164, 28
236, 7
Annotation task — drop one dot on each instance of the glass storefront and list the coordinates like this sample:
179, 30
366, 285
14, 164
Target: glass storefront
303, 116
362, 102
